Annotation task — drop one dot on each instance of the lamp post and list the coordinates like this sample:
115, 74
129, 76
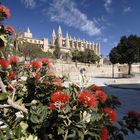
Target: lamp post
61, 58
112, 70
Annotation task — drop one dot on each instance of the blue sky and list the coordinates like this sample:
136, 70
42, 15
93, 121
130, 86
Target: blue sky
103, 21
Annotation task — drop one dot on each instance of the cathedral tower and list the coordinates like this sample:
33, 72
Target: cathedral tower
53, 37
59, 36
28, 34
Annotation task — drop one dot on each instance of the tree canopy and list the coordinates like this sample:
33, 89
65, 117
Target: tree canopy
127, 51
89, 56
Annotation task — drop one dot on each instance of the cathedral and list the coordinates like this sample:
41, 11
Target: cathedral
66, 44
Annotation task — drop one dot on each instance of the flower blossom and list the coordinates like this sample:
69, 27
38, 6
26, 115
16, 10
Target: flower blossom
111, 113
60, 96
94, 88
13, 60
12, 75
87, 98
45, 61
4, 63
4, 12
10, 29
37, 76
101, 95
58, 81
36, 64
59, 99
104, 134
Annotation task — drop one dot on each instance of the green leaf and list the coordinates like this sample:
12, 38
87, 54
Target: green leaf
18, 132
19, 101
34, 119
72, 135
60, 131
4, 96
23, 125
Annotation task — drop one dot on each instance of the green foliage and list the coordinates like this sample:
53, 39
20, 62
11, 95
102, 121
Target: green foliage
57, 52
127, 51
32, 51
89, 56
3, 96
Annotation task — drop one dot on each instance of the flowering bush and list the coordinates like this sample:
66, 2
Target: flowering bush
4, 12
9, 30
35, 104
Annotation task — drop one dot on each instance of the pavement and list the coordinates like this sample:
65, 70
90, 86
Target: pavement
124, 83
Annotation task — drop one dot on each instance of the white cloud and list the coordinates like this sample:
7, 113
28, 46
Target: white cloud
127, 9
105, 40
29, 3
65, 11
107, 4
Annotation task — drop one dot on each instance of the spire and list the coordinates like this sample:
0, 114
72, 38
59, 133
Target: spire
53, 33
28, 30
67, 35
59, 30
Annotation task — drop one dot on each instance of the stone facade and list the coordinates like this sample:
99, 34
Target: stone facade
66, 43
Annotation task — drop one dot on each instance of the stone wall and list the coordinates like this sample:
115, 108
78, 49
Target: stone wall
73, 69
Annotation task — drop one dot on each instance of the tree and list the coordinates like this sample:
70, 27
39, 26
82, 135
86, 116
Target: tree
57, 52
126, 51
32, 51
114, 58
89, 56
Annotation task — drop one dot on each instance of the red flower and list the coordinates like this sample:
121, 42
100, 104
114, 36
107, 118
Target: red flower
87, 98
104, 134
36, 64
37, 76
45, 61
4, 12
134, 115
52, 106
10, 29
12, 75
60, 96
101, 95
58, 81
111, 113
14, 60
94, 88
4, 63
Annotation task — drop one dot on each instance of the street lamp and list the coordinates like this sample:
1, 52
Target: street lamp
61, 58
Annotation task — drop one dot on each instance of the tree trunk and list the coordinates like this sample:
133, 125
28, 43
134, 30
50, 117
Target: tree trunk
129, 69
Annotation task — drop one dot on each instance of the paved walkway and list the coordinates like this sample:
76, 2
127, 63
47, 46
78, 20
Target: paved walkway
125, 83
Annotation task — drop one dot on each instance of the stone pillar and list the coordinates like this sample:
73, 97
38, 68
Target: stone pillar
67, 41
45, 45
